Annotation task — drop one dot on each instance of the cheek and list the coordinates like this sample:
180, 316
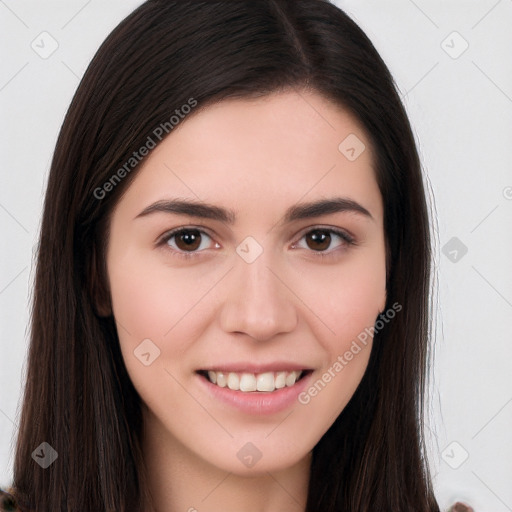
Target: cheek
138, 302
148, 303
350, 306
351, 298
148, 298
348, 297
152, 301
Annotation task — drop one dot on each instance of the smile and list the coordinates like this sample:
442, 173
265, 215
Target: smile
254, 393
253, 382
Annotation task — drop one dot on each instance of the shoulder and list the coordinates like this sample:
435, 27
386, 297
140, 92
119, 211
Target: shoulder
460, 507
7, 501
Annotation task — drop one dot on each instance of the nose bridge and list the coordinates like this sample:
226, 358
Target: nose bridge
259, 280
257, 302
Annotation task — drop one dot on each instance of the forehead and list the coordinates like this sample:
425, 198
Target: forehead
266, 152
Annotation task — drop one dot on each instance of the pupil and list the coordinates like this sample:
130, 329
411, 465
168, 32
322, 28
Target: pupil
190, 238
319, 237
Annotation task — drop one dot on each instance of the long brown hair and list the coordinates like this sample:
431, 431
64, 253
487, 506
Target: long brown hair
78, 396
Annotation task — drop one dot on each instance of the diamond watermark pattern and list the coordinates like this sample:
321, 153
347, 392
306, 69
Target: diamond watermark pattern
352, 147
44, 455
147, 352
454, 455
249, 250
454, 250
454, 45
249, 454
44, 45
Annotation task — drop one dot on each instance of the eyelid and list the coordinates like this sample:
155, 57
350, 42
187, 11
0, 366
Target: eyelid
162, 240
174, 231
348, 239
343, 233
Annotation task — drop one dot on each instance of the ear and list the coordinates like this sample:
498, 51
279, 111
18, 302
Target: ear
382, 306
98, 283
382, 301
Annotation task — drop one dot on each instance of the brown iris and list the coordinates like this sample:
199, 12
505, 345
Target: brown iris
321, 237
190, 238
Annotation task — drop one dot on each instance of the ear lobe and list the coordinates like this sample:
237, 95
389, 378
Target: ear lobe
98, 291
102, 305
382, 306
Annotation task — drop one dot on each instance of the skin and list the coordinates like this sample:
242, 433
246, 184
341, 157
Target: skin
257, 157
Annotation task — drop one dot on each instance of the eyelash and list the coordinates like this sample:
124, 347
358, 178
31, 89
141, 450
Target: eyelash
347, 239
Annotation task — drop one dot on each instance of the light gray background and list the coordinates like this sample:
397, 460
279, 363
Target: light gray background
461, 110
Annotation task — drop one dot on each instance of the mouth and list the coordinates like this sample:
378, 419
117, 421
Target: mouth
247, 382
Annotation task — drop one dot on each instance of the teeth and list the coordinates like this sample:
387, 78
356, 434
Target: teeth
222, 379
247, 382
290, 379
280, 380
233, 381
265, 382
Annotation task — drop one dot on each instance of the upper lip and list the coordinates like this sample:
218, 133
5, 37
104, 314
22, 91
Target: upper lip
247, 367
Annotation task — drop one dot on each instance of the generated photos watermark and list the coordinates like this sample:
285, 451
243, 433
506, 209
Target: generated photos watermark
344, 359
157, 135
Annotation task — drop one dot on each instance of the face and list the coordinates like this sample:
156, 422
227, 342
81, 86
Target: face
254, 286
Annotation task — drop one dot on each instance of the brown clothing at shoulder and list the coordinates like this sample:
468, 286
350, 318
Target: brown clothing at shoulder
8, 502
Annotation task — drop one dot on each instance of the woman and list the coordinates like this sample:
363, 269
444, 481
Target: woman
257, 372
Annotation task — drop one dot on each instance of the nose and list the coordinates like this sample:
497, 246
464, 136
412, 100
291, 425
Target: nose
258, 301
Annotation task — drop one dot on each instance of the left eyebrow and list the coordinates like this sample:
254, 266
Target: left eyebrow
296, 212
325, 207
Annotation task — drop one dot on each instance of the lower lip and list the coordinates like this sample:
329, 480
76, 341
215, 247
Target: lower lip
257, 402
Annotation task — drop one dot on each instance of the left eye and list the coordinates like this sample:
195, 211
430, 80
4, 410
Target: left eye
317, 239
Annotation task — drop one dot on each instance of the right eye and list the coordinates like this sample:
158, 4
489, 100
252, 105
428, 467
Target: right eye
186, 242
